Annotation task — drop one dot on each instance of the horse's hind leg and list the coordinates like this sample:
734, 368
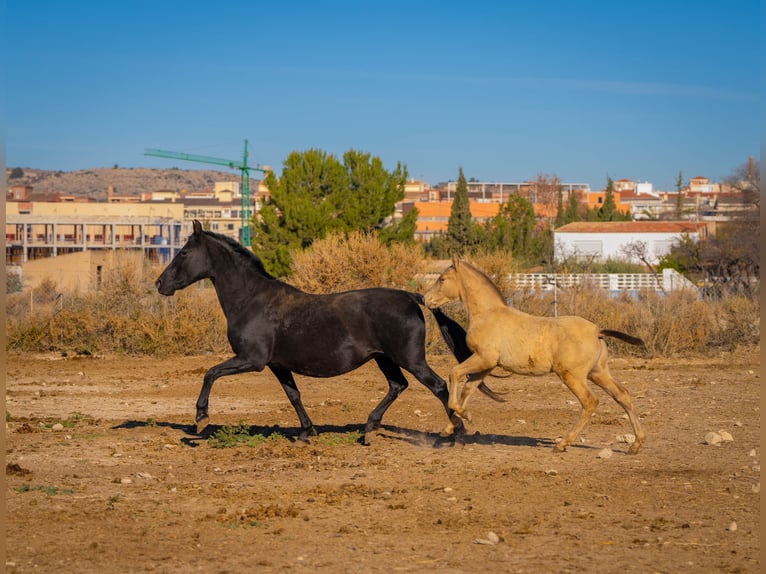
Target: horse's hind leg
588, 400
294, 396
397, 382
601, 376
427, 376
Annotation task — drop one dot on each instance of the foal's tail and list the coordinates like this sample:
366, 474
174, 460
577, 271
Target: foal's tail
622, 336
455, 337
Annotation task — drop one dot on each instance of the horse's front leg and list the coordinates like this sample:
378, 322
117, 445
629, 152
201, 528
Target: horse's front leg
232, 366
474, 379
473, 369
287, 381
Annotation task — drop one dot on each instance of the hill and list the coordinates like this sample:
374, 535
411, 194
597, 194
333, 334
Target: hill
126, 181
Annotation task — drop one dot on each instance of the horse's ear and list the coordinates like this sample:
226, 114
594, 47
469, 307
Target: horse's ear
197, 227
455, 260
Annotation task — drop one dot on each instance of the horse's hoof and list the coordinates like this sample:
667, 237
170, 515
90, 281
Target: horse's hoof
201, 424
634, 448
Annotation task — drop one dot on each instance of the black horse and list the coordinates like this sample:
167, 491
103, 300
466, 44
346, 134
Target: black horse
273, 324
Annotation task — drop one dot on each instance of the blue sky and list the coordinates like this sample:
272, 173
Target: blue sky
507, 90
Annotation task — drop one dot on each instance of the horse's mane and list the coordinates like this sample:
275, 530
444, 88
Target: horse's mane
250, 257
485, 279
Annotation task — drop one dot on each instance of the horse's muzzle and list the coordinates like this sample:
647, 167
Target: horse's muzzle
162, 288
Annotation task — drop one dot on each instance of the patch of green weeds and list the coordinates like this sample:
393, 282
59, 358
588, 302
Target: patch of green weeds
70, 422
49, 490
239, 435
338, 438
246, 524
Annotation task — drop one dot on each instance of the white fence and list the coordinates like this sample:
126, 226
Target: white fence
669, 280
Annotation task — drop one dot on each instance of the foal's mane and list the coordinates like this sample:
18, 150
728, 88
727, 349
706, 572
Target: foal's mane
248, 256
484, 278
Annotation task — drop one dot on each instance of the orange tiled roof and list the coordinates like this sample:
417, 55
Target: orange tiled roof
631, 227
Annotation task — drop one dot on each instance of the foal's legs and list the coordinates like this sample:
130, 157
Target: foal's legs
287, 381
578, 384
477, 365
232, 366
603, 378
434, 383
469, 389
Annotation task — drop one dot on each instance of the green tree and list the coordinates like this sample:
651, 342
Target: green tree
513, 228
569, 212
461, 235
317, 194
679, 195
16, 173
573, 208
609, 207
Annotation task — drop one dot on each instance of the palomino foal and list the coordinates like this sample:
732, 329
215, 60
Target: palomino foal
499, 335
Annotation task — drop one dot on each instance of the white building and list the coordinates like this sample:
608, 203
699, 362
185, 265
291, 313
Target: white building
605, 240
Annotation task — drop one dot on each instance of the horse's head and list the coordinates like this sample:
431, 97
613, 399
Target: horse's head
189, 265
446, 288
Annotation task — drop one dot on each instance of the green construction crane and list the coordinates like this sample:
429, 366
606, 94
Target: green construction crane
244, 186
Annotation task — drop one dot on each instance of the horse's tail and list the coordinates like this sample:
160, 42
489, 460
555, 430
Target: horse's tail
622, 336
455, 337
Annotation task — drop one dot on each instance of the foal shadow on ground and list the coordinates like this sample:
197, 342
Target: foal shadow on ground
420, 438
385, 432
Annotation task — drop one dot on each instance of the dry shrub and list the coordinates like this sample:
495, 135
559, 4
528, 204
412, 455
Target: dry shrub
498, 265
126, 315
359, 260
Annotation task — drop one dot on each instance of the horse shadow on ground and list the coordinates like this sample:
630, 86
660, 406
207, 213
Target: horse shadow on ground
384, 433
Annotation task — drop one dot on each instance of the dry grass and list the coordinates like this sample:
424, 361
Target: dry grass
127, 315
340, 263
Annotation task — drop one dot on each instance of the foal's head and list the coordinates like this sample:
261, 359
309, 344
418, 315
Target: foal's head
446, 288
462, 280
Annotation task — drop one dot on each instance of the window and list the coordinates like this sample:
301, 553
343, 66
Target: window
589, 247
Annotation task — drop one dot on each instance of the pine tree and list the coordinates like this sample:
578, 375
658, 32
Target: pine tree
460, 226
679, 196
609, 208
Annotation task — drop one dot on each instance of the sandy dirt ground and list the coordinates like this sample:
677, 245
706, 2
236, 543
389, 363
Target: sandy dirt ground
105, 473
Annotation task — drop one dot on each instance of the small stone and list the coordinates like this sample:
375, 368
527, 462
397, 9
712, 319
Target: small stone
712, 438
58, 427
492, 537
752, 452
447, 489
732, 527
605, 453
725, 436
551, 472
126, 481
